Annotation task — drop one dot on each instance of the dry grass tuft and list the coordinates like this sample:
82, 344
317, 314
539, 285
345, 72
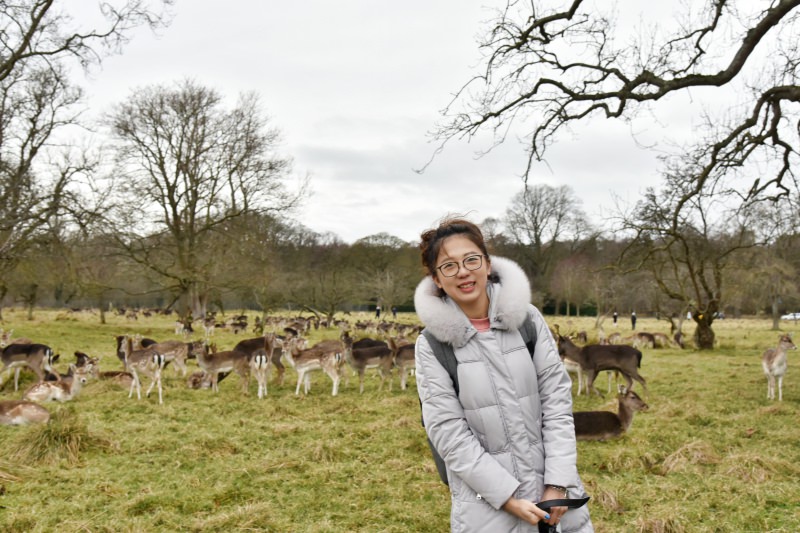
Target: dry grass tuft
64, 438
325, 453
607, 500
659, 525
693, 453
751, 468
247, 517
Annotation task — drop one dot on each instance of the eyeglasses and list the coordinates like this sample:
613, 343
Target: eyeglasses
450, 269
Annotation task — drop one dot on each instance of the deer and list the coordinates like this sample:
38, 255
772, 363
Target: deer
269, 345
201, 380
261, 353
137, 344
146, 361
174, 351
602, 425
663, 341
213, 363
360, 359
325, 356
37, 357
21, 412
774, 362
641, 339
63, 390
404, 359
595, 358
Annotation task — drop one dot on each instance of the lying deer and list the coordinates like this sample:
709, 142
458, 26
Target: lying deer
37, 357
774, 363
63, 390
595, 358
602, 425
20, 412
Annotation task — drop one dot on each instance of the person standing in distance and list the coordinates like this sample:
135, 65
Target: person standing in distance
507, 438
633, 319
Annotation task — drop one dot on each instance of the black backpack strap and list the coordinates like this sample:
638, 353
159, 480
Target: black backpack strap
445, 355
528, 332
447, 358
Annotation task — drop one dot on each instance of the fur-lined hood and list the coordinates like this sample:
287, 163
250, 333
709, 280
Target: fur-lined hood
509, 301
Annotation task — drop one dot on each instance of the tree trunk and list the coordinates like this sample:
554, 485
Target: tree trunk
776, 317
703, 335
102, 308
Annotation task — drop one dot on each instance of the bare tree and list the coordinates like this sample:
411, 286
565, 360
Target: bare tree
548, 70
37, 101
692, 260
41, 33
541, 216
188, 166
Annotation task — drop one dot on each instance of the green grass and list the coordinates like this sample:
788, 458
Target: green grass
711, 454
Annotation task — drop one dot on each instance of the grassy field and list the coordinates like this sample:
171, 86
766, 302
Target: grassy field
711, 454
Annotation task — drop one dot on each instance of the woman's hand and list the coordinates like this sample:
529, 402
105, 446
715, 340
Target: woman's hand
526, 510
556, 513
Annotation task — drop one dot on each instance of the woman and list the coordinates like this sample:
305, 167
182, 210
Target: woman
507, 437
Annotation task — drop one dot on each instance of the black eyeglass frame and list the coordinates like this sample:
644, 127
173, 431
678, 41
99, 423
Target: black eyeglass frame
461, 263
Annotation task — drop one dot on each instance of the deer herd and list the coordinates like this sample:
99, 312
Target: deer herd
337, 358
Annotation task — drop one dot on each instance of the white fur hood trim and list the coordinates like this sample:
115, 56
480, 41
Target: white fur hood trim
509, 301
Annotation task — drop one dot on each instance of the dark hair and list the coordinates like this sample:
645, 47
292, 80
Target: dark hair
431, 240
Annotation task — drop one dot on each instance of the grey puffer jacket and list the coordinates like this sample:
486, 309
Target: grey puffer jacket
510, 429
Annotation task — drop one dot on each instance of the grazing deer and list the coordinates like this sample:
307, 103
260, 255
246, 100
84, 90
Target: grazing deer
404, 359
37, 357
146, 361
774, 363
60, 391
325, 356
20, 412
602, 425
360, 359
213, 363
595, 358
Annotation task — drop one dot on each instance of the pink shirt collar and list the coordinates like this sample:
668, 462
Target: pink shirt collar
480, 324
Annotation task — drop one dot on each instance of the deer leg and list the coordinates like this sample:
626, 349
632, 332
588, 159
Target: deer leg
780, 389
592, 374
16, 379
152, 384
361, 382
300, 375
160, 393
640, 379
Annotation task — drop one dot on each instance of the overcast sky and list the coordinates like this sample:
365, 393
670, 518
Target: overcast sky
355, 86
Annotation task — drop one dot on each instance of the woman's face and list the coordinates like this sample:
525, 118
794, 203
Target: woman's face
467, 288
